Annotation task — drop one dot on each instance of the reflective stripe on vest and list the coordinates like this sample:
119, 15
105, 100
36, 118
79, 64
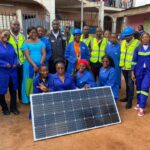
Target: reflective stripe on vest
86, 41
18, 46
127, 53
98, 52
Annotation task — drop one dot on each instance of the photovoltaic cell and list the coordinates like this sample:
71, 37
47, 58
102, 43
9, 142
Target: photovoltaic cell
60, 113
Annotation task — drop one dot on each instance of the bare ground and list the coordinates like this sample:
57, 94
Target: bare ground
132, 134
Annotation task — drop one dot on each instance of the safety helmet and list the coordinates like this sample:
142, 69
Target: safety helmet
128, 31
77, 31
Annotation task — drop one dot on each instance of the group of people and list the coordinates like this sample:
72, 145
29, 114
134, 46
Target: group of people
56, 61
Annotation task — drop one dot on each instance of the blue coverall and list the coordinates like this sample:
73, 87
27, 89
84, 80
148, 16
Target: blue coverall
37, 81
107, 77
68, 83
48, 48
86, 78
7, 56
113, 50
71, 56
141, 68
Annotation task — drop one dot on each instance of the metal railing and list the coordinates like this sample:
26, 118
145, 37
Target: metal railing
35, 19
5, 18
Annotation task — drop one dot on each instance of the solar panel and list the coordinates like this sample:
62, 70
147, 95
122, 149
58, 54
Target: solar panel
61, 113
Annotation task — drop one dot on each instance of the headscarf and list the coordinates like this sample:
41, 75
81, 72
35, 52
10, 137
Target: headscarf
85, 62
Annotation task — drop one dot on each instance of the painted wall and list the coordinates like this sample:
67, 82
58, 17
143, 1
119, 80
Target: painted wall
139, 19
141, 2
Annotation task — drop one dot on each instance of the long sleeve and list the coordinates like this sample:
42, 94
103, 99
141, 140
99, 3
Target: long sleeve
3, 63
73, 84
48, 50
135, 58
69, 54
87, 53
35, 84
111, 78
91, 81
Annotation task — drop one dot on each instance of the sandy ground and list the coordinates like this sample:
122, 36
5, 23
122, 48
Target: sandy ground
132, 134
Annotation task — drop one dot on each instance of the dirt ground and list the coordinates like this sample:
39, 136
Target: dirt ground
132, 134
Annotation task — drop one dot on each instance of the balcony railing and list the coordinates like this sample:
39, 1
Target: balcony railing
125, 4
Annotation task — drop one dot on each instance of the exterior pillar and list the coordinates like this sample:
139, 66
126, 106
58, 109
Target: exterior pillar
20, 18
50, 7
101, 15
124, 22
114, 25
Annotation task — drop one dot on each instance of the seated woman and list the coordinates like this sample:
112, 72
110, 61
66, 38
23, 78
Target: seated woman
62, 81
107, 75
43, 81
8, 74
84, 78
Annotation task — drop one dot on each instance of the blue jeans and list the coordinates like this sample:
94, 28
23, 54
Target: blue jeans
129, 85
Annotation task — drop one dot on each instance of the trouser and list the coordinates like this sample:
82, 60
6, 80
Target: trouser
142, 88
129, 85
95, 67
20, 78
13, 98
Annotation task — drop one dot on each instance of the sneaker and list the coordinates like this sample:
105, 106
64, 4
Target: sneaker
137, 107
141, 112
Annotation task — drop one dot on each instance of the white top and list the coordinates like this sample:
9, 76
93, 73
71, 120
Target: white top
145, 48
55, 34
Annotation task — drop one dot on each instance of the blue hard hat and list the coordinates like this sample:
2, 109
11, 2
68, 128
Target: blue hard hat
77, 31
128, 31
122, 37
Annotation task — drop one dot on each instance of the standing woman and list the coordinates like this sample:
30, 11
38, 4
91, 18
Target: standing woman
141, 72
75, 51
107, 75
34, 51
84, 78
62, 81
8, 73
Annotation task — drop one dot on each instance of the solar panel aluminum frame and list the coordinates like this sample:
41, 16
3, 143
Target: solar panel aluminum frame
33, 125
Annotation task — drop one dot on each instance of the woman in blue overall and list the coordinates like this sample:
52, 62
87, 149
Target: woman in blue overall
84, 78
113, 50
141, 72
8, 73
35, 55
43, 81
107, 75
62, 81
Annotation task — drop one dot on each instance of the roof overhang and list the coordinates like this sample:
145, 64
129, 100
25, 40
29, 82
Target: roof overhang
133, 11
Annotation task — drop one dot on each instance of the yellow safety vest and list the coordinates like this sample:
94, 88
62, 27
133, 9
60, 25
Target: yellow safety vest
87, 41
71, 38
17, 46
127, 53
98, 51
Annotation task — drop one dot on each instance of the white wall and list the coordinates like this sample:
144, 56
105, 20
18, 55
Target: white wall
141, 2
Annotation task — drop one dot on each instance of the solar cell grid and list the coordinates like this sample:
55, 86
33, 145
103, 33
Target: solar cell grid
60, 113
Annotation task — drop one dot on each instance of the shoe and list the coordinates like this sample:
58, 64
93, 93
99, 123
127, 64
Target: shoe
141, 112
128, 105
123, 100
137, 107
6, 112
15, 112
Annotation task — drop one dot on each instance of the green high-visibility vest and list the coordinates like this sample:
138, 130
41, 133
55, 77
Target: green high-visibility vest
98, 51
127, 53
87, 41
17, 46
